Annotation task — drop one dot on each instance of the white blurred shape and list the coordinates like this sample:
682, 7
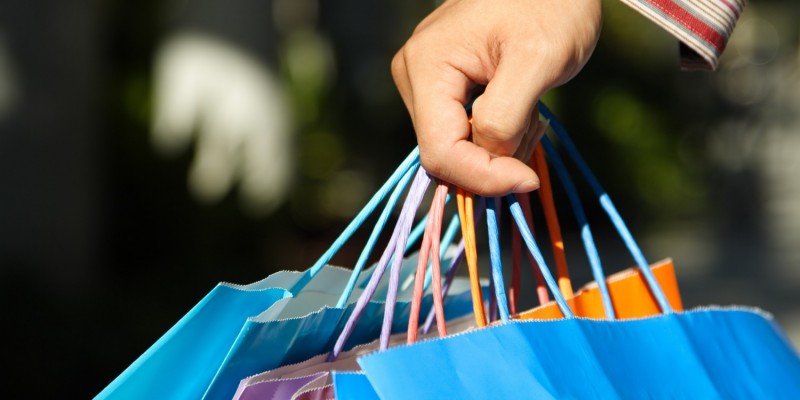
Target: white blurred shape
238, 111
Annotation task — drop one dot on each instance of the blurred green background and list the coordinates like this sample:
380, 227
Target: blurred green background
103, 246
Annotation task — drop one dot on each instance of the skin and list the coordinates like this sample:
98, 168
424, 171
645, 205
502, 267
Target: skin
517, 51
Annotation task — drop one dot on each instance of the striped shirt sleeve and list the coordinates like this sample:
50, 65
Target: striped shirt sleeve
703, 27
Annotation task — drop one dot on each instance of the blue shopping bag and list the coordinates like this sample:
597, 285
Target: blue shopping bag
181, 363
707, 353
353, 386
239, 330
267, 342
287, 379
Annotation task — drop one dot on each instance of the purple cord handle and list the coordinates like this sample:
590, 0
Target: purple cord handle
395, 248
411, 205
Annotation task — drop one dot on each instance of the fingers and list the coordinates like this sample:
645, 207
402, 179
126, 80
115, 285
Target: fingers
434, 77
443, 132
471, 167
435, 98
399, 68
531, 138
505, 113
401, 80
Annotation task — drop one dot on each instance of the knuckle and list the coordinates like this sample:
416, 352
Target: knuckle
498, 135
494, 129
415, 48
398, 65
485, 188
434, 164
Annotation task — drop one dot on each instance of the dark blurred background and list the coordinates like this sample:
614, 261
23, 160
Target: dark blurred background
150, 149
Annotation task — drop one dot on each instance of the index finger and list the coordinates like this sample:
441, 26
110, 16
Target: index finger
443, 132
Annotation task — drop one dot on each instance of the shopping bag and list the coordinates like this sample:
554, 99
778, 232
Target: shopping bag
317, 373
711, 352
236, 330
185, 356
309, 377
630, 296
352, 386
628, 291
705, 353
284, 388
266, 342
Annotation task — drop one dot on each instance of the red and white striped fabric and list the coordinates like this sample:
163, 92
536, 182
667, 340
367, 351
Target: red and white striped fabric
702, 26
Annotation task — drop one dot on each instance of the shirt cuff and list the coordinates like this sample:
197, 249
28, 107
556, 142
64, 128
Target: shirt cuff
702, 26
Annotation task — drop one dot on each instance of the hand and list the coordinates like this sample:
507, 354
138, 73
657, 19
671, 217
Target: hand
518, 49
236, 107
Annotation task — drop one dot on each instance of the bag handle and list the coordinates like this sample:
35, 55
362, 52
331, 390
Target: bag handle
447, 239
606, 204
545, 192
362, 259
492, 206
394, 252
444, 244
586, 231
455, 262
430, 247
551, 217
452, 269
406, 165
494, 248
413, 201
539, 284
467, 216
527, 236
516, 267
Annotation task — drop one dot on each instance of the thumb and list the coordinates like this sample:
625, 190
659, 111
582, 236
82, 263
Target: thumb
502, 115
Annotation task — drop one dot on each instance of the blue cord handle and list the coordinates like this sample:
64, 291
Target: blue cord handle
608, 206
519, 218
407, 164
580, 216
392, 254
387, 210
494, 251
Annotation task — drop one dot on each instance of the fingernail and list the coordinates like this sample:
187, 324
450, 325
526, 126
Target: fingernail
527, 186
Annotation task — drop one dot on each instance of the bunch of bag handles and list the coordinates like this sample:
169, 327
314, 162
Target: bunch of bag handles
433, 245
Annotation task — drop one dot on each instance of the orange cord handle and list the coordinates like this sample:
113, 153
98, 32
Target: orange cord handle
539, 164
467, 217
